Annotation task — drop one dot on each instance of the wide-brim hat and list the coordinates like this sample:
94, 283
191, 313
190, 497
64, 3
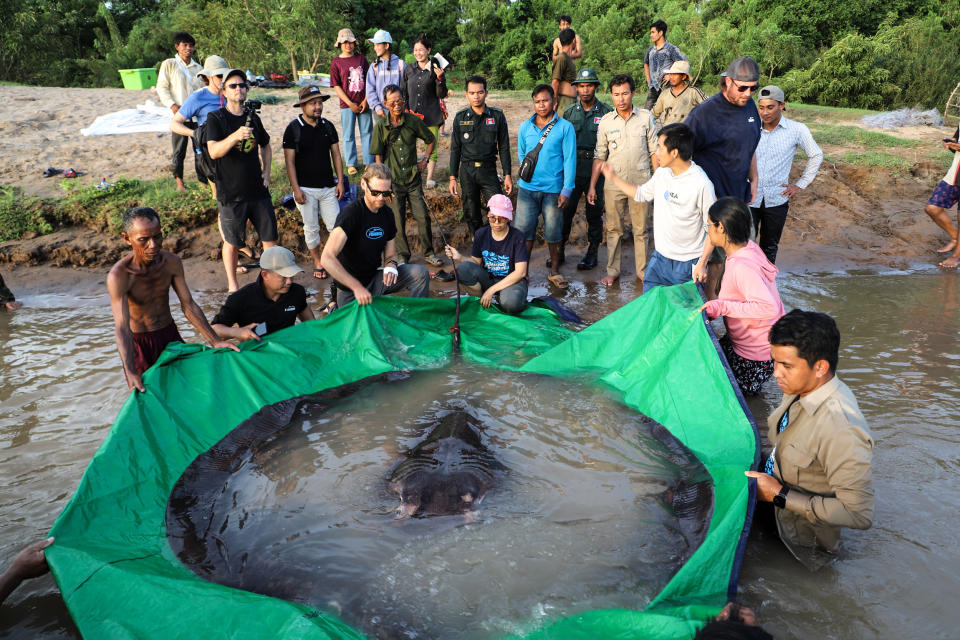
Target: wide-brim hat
214, 66
310, 92
680, 66
345, 35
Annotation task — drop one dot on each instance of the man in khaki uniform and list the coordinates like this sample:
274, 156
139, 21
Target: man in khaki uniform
627, 139
678, 101
818, 476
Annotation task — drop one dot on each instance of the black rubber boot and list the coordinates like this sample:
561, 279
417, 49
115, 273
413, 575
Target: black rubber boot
589, 260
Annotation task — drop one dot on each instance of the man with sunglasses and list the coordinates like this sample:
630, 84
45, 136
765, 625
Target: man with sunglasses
726, 130
361, 252
242, 156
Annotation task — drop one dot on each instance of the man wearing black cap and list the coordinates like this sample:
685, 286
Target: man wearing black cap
242, 174
726, 131
310, 142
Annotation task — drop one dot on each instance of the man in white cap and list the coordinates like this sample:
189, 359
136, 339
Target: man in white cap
498, 260
176, 80
387, 69
780, 138
310, 146
198, 106
271, 303
348, 77
675, 104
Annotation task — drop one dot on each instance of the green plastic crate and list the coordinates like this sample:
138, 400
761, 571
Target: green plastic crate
138, 78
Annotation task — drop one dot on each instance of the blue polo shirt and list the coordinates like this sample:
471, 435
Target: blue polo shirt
200, 104
556, 170
725, 139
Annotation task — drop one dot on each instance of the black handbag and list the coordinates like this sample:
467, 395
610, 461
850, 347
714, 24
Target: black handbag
529, 164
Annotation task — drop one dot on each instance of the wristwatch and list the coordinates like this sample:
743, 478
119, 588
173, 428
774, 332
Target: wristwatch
780, 500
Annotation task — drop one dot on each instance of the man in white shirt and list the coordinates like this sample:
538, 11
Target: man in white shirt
683, 194
175, 82
779, 139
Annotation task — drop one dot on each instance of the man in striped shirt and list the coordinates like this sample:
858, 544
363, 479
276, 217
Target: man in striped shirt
779, 139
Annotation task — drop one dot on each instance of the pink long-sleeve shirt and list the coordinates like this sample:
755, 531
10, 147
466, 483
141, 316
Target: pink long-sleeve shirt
749, 301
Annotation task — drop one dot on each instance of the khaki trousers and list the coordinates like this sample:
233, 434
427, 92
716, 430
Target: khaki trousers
618, 205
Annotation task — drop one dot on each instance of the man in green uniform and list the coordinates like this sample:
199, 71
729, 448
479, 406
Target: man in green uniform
585, 116
479, 135
394, 143
564, 71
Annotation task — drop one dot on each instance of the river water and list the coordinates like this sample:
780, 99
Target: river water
61, 387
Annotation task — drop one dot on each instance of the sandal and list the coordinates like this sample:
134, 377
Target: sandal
351, 171
320, 273
248, 252
557, 280
329, 308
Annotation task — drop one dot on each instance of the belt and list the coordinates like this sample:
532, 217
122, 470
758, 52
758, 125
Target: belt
483, 163
585, 153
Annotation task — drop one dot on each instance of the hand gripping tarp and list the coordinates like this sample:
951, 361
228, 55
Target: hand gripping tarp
120, 578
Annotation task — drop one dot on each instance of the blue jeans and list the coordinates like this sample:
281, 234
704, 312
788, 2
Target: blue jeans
513, 299
663, 272
365, 124
530, 204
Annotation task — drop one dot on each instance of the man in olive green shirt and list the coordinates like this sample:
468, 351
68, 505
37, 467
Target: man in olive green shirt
565, 71
627, 139
394, 143
818, 476
585, 117
676, 102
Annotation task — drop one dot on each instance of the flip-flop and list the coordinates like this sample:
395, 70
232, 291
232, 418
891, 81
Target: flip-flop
557, 280
247, 252
52, 171
320, 274
330, 307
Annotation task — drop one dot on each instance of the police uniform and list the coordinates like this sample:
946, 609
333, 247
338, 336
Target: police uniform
585, 124
475, 143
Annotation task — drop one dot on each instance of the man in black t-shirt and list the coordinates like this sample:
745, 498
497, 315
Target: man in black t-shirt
364, 235
310, 143
271, 303
243, 175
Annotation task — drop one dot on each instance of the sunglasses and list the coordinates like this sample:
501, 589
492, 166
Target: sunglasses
743, 88
237, 85
375, 193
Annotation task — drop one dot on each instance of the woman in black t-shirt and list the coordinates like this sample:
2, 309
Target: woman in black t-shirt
423, 86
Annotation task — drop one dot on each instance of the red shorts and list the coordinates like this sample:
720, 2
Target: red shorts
148, 346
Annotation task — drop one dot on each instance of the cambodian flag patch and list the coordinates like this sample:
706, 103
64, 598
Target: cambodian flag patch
596, 119
491, 121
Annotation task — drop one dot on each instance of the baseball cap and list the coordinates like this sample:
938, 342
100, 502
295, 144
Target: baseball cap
772, 92
279, 260
586, 75
500, 205
743, 69
308, 93
234, 72
345, 35
381, 37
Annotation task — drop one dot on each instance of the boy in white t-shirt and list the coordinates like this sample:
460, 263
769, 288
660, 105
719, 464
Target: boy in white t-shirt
683, 194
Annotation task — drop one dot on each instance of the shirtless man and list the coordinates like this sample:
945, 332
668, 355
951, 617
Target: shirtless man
139, 285
577, 51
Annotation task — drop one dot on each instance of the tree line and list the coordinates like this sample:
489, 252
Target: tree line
875, 54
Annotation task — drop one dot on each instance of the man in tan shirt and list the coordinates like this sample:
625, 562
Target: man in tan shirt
627, 139
818, 476
678, 101
176, 80
564, 72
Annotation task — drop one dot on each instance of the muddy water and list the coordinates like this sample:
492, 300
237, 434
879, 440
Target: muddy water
60, 389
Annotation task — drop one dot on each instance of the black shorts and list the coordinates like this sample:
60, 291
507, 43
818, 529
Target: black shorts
234, 216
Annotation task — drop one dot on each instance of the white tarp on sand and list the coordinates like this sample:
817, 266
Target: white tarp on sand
146, 118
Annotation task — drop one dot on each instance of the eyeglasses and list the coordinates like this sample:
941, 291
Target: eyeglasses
237, 85
496, 218
375, 193
743, 88
393, 103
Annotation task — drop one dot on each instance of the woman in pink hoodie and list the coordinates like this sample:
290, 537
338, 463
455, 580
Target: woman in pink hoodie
748, 300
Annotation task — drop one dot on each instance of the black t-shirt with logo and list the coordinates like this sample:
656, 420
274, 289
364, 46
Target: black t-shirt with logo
312, 159
367, 236
239, 175
249, 305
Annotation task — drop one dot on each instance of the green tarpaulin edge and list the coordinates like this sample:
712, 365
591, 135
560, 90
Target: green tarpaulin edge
120, 579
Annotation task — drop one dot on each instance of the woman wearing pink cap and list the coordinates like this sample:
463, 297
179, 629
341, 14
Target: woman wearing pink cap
499, 259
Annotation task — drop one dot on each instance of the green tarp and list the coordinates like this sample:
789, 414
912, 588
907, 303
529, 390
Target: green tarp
120, 579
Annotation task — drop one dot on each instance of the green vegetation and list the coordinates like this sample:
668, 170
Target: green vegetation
849, 136
874, 54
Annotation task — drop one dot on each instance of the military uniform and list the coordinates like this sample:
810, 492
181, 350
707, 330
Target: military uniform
476, 141
585, 124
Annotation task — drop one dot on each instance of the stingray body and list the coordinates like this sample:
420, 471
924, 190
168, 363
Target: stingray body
448, 473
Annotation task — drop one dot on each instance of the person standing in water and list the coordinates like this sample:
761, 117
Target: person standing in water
139, 285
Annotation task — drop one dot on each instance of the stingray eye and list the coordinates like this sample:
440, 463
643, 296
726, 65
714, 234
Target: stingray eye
467, 497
